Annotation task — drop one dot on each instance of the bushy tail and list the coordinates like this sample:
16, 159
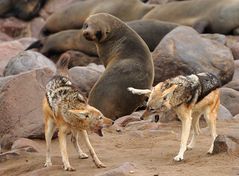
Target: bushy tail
62, 65
37, 44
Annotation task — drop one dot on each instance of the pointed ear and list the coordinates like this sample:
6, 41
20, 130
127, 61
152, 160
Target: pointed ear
169, 91
81, 114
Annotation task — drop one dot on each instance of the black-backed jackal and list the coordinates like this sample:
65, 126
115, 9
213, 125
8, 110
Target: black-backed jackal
190, 97
66, 109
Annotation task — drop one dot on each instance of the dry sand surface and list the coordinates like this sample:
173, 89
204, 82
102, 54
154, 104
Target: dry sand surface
151, 151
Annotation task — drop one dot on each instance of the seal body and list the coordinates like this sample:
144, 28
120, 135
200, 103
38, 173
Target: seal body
211, 16
128, 63
78, 12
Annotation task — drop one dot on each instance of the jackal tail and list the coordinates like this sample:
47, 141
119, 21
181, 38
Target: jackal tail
62, 65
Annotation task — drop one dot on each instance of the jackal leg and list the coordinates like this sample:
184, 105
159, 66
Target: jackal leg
184, 114
50, 128
75, 141
62, 140
96, 160
196, 130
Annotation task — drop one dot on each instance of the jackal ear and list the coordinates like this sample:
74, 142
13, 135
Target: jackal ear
169, 92
81, 114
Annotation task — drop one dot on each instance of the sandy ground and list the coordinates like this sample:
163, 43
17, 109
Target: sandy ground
151, 151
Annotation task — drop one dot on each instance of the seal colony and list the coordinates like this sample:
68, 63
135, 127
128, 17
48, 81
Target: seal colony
210, 16
128, 63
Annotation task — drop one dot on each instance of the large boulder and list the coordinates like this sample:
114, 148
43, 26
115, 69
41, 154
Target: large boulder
183, 51
26, 61
229, 99
86, 76
21, 106
236, 73
8, 50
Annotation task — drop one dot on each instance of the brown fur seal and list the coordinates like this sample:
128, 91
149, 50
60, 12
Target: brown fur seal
128, 63
22, 9
74, 16
211, 16
151, 31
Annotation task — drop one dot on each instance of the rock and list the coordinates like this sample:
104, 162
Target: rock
85, 77
26, 61
26, 41
81, 59
235, 51
4, 37
217, 37
236, 117
23, 143
224, 113
142, 125
35, 27
8, 155
177, 52
161, 1
8, 50
229, 99
231, 40
21, 106
126, 169
234, 84
13, 27
226, 143
236, 73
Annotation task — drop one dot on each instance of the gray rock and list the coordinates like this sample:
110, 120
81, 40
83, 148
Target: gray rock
224, 113
26, 61
183, 51
226, 143
229, 99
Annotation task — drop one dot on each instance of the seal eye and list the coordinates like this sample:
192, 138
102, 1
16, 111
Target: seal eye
85, 25
98, 35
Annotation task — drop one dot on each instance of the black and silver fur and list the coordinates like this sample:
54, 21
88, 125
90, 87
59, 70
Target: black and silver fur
192, 88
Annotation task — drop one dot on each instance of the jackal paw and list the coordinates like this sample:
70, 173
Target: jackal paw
69, 168
47, 164
83, 156
100, 165
178, 158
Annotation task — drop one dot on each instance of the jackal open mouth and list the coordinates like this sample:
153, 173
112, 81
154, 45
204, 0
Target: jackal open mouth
99, 132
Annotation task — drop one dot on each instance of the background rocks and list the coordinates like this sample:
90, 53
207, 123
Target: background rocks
183, 51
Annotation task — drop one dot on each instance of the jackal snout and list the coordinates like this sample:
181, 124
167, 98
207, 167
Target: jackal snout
93, 119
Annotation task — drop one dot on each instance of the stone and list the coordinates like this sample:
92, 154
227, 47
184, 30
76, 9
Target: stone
8, 50
86, 76
229, 99
26, 61
21, 106
226, 143
125, 169
24, 143
224, 113
176, 55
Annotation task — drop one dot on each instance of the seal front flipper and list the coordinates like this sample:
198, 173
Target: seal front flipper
201, 26
37, 44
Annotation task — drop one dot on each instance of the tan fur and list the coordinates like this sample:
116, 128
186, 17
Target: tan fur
53, 121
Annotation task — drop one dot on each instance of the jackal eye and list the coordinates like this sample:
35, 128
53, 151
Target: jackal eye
87, 116
165, 98
100, 117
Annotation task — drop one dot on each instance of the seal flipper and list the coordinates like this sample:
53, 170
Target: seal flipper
37, 44
201, 26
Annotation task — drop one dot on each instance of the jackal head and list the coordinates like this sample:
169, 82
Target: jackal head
93, 119
159, 99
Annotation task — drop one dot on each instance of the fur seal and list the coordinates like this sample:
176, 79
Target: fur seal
210, 16
127, 60
151, 31
22, 9
78, 12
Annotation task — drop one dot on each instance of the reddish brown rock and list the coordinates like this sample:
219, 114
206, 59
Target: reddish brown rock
8, 50
21, 106
35, 26
236, 73
226, 143
23, 143
176, 54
